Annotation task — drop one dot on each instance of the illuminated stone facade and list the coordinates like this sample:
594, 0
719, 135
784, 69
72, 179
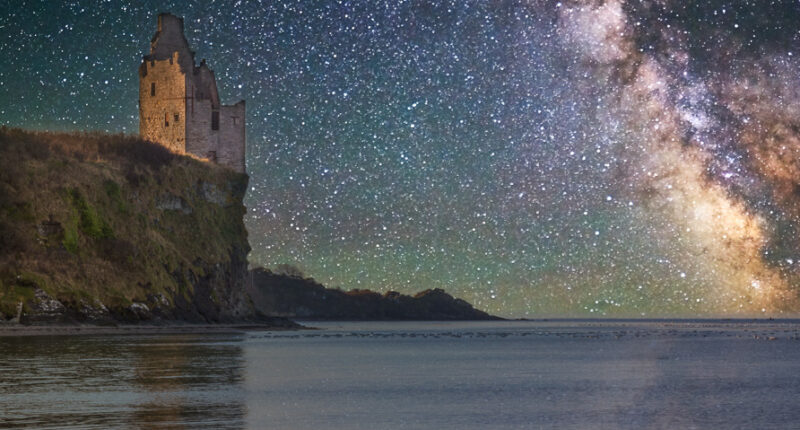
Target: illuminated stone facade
179, 105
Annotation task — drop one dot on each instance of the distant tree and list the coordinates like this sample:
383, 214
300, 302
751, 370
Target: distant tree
289, 270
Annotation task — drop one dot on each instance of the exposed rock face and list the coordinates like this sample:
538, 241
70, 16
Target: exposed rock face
169, 202
102, 229
44, 308
294, 297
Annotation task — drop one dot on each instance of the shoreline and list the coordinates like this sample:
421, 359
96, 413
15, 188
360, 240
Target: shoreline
9, 330
20, 330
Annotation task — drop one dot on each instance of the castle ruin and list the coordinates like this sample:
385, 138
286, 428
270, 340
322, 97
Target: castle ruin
179, 105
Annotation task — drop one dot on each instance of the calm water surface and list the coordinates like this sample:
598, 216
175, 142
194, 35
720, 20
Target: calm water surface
499, 375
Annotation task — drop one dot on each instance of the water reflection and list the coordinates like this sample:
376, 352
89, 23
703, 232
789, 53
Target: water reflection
504, 375
180, 381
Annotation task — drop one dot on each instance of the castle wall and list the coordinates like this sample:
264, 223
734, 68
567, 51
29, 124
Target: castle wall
162, 103
206, 85
168, 39
225, 146
200, 140
232, 137
179, 104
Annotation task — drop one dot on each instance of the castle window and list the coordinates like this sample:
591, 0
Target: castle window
152, 89
235, 120
177, 118
215, 120
166, 120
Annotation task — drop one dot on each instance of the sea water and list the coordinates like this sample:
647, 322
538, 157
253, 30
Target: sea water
460, 375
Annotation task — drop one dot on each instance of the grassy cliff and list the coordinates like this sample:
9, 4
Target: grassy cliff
98, 227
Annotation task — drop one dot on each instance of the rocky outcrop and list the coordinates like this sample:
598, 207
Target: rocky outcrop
294, 297
104, 229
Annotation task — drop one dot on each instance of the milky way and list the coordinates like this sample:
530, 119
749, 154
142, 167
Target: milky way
532, 157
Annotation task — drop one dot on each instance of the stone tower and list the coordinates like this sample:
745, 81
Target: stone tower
179, 105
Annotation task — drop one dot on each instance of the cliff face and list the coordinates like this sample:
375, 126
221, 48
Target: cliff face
293, 297
99, 228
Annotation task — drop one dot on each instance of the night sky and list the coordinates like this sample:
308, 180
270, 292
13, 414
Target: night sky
536, 158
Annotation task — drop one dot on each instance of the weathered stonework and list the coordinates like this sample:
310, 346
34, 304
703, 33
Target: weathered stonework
179, 104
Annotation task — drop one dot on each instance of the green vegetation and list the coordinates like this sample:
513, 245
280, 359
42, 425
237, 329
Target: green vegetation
80, 217
19, 211
90, 222
12, 296
70, 241
114, 192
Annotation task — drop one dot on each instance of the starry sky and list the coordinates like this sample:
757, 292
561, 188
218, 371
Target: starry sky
536, 158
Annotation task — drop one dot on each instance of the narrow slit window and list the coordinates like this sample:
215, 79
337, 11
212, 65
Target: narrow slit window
215, 120
166, 120
152, 89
